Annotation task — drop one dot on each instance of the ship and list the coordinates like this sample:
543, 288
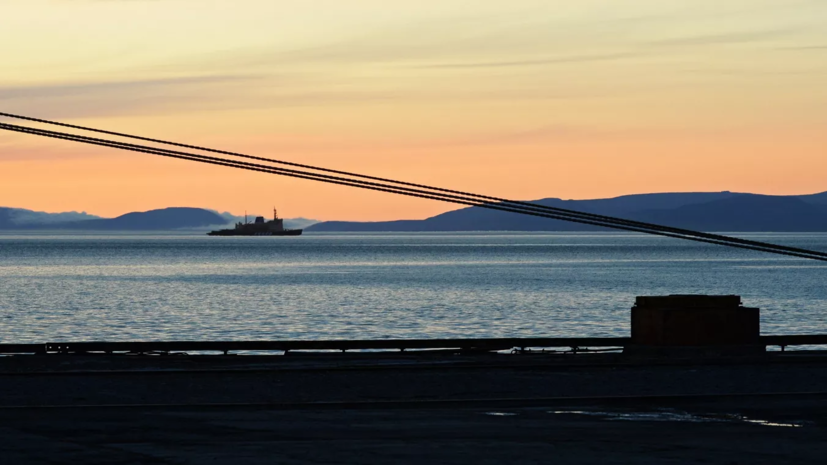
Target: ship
258, 228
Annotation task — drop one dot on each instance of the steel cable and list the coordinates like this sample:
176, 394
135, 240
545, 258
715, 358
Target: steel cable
763, 247
483, 198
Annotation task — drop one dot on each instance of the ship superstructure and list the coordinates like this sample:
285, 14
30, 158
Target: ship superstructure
259, 227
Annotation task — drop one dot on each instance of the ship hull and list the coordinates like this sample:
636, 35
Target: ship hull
234, 232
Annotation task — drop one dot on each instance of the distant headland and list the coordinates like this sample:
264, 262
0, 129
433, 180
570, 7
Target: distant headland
705, 211
166, 219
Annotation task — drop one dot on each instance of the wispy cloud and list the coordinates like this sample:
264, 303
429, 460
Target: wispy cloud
815, 48
537, 62
383, 64
139, 86
13, 148
725, 38
536, 135
92, 98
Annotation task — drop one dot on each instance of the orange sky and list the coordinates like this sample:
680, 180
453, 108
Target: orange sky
523, 99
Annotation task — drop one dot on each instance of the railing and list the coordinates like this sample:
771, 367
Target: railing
458, 345
470, 345
794, 340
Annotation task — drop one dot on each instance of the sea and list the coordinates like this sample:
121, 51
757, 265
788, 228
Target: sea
188, 286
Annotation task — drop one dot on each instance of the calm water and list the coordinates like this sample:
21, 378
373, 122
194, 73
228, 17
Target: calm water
55, 288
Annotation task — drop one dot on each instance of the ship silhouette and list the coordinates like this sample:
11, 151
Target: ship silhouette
258, 228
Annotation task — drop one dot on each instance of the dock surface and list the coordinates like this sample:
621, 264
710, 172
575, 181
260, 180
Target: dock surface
586, 408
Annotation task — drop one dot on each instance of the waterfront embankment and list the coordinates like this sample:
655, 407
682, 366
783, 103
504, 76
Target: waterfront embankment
403, 408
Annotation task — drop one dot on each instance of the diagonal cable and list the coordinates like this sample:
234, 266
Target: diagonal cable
484, 198
764, 247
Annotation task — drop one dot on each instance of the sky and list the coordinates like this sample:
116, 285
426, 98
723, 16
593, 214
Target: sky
523, 99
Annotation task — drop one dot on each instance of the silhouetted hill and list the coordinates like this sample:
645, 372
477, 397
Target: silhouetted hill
820, 199
710, 211
153, 220
6, 219
15, 218
745, 213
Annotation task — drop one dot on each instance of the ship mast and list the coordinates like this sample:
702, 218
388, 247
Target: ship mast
275, 215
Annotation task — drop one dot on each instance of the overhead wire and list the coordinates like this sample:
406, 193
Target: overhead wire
393, 189
763, 247
483, 198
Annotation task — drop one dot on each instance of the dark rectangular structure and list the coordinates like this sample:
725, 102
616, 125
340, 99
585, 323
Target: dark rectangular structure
694, 320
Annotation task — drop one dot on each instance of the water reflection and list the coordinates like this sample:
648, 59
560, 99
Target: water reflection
677, 416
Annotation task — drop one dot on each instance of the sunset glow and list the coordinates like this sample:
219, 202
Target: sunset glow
523, 99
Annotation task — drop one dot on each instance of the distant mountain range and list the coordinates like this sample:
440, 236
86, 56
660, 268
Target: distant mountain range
176, 218
705, 211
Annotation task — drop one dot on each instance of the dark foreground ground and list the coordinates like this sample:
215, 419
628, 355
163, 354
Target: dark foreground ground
346, 409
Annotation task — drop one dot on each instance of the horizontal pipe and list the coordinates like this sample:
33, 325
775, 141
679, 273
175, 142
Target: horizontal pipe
22, 348
375, 344
365, 344
794, 340
488, 344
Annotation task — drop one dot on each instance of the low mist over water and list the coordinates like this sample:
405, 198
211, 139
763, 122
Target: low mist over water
188, 287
